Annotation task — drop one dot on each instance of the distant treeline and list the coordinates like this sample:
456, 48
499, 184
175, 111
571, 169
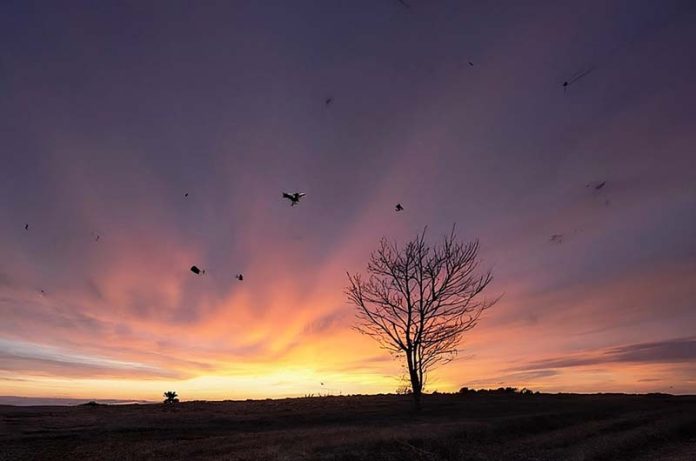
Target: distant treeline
403, 390
500, 390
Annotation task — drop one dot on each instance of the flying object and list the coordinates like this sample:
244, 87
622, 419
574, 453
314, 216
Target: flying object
239, 277
556, 238
197, 271
576, 77
26, 227
398, 207
294, 198
597, 185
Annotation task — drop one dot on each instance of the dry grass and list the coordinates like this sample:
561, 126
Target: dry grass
451, 427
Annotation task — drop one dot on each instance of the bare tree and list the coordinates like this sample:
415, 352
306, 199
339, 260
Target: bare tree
418, 300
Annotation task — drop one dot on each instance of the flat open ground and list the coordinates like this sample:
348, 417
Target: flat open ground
461, 427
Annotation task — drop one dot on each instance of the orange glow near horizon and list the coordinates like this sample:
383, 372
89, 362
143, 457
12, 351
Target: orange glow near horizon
295, 342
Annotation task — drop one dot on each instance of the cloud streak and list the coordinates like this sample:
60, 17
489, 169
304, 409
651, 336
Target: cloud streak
680, 350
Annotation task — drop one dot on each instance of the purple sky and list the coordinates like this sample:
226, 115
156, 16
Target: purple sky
111, 111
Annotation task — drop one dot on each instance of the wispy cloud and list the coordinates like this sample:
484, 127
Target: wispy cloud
35, 358
669, 351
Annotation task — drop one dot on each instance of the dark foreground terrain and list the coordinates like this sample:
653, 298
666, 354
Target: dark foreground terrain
451, 427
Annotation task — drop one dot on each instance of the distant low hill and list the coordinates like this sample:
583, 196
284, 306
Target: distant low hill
48, 401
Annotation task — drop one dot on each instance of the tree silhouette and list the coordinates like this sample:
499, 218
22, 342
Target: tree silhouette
418, 300
171, 397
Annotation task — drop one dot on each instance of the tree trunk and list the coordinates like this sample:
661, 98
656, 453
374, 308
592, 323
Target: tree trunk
416, 387
417, 399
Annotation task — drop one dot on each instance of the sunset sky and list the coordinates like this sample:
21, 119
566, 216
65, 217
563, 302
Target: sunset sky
111, 111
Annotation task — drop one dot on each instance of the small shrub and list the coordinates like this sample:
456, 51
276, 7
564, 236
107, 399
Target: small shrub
171, 398
404, 390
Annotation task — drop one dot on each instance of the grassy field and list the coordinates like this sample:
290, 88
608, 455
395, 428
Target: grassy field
451, 427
